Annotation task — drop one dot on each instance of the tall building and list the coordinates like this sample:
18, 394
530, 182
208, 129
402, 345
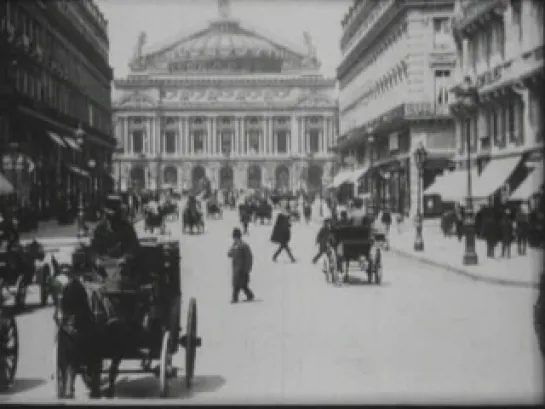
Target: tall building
398, 58
499, 99
55, 101
227, 103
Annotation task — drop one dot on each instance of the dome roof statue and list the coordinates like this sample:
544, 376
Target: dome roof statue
225, 45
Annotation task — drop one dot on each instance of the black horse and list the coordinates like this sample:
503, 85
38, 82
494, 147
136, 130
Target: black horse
213, 209
86, 336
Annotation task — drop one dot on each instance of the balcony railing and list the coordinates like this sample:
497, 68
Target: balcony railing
422, 109
474, 10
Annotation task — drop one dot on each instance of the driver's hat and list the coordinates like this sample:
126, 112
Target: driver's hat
112, 204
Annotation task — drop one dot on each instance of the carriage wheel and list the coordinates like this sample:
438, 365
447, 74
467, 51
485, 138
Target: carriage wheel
164, 364
191, 342
20, 296
9, 350
44, 293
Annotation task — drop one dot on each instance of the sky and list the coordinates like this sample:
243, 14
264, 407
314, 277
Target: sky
163, 19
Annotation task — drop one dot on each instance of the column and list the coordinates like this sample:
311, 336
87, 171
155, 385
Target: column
262, 136
236, 137
213, 130
272, 138
244, 136
185, 137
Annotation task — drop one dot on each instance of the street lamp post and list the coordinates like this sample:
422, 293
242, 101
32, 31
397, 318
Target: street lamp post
469, 98
371, 141
420, 158
79, 134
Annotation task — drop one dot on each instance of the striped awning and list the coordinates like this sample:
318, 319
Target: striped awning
531, 185
72, 144
56, 138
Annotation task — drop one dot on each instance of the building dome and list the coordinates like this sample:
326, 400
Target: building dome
224, 45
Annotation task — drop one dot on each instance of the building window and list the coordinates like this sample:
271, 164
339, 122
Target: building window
500, 39
314, 141
442, 81
441, 32
198, 142
170, 142
253, 141
282, 141
511, 121
138, 142
226, 141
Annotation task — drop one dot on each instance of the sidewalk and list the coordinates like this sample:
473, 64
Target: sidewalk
447, 253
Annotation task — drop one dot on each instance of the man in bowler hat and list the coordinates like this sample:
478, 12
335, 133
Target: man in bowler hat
281, 235
242, 259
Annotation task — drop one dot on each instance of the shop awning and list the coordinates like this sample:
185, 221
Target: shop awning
443, 183
6, 188
342, 177
72, 143
358, 173
531, 185
452, 187
78, 171
56, 138
494, 175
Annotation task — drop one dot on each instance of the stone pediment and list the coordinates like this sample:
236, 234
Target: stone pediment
136, 100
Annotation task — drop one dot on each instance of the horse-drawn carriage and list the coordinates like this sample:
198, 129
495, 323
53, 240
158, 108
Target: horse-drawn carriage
146, 325
19, 268
192, 217
213, 208
263, 211
353, 243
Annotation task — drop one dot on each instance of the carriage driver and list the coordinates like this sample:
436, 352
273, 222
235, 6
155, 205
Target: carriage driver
114, 236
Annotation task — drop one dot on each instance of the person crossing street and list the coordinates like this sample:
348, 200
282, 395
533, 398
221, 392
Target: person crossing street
242, 261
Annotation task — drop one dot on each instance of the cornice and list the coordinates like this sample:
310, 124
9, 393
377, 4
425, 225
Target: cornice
148, 81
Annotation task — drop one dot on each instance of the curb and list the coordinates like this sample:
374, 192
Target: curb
460, 271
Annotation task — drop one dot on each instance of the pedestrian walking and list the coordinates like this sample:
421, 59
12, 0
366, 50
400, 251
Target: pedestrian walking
281, 235
387, 219
506, 226
321, 239
522, 228
245, 216
490, 234
242, 262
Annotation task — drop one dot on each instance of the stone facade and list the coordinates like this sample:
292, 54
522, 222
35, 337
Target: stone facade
397, 68
266, 118
500, 54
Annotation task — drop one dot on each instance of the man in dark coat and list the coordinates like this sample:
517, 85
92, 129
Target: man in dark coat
539, 315
242, 259
522, 223
490, 233
507, 233
386, 219
321, 239
282, 234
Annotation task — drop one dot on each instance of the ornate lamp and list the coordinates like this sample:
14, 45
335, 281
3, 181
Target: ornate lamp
419, 159
469, 97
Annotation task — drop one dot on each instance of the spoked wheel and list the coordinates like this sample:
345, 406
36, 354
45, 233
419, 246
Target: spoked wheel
44, 285
190, 341
164, 365
9, 350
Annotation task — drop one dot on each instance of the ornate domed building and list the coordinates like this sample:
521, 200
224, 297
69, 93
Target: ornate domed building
227, 103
